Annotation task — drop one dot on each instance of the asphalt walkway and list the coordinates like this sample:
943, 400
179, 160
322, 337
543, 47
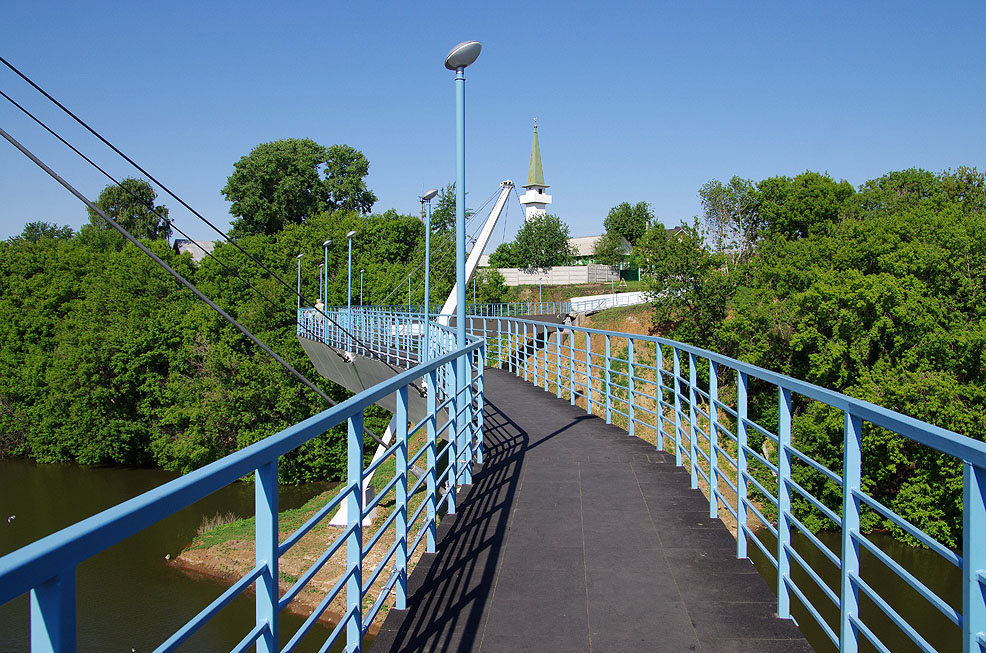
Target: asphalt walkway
577, 537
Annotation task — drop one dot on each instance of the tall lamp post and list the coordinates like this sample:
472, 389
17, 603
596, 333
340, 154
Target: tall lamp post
461, 56
299, 283
325, 246
349, 283
428, 197
361, 286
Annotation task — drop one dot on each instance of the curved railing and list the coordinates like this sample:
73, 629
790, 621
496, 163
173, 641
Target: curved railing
46, 568
699, 405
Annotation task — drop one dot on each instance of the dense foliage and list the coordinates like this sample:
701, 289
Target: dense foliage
541, 243
629, 220
281, 183
877, 293
131, 205
108, 360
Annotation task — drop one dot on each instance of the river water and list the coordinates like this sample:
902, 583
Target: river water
128, 597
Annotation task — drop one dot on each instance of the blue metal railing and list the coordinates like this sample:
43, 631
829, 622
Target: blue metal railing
46, 568
677, 395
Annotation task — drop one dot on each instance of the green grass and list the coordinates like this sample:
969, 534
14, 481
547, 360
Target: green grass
244, 529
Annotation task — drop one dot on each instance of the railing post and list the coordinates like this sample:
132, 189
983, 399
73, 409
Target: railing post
741, 446
431, 459
544, 356
265, 499
558, 332
631, 372
53, 613
451, 471
973, 557
783, 502
467, 428
851, 481
677, 406
401, 497
480, 405
693, 417
609, 390
524, 354
661, 404
713, 440
354, 541
571, 367
588, 372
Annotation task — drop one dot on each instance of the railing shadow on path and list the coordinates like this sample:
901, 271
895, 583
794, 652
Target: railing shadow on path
447, 594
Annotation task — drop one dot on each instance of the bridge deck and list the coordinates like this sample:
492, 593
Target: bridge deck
576, 537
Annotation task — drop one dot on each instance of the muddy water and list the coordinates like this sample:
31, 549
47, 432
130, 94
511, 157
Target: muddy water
128, 597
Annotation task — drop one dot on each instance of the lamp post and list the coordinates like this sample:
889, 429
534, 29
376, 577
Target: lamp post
325, 246
361, 287
321, 283
299, 282
428, 197
349, 283
461, 56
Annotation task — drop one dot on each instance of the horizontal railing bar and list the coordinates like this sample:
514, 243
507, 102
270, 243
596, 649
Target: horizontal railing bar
811, 610
751, 452
756, 483
824, 550
953, 615
249, 639
313, 520
380, 566
825, 510
869, 634
763, 520
760, 545
911, 529
832, 596
893, 615
304, 579
218, 604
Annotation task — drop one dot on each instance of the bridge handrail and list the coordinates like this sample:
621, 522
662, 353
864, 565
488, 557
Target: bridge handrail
722, 458
47, 566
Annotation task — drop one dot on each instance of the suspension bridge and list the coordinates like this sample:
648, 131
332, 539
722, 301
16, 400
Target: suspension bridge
548, 486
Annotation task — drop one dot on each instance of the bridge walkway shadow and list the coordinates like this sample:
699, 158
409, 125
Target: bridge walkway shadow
577, 537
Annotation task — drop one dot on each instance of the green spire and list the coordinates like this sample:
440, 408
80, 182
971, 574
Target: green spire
535, 176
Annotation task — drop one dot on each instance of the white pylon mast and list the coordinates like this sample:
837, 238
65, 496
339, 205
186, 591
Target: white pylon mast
449, 307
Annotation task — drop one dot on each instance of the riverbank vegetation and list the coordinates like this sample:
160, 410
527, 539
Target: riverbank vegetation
107, 360
875, 292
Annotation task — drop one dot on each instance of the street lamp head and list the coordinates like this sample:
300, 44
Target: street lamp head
300, 255
350, 234
429, 196
327, 243
463, 55
362, 271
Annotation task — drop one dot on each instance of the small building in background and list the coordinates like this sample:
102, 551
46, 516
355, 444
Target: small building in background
585, 248
199, 249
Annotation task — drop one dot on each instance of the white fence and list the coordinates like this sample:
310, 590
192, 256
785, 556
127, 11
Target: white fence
591, 303
562, 275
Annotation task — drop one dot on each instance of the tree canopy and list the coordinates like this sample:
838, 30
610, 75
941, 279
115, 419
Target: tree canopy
281, 182
131, 204
35, 231
875, 292
542, 243
629, 220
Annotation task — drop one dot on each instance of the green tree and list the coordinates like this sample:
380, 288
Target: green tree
491, 287
730, 217
629, 221
505, 256
796, 207
687, 284
281, 183
443, 215
38, 230
542, 243
609, 249
131, 204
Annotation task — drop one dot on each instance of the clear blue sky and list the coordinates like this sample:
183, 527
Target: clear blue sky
636, 102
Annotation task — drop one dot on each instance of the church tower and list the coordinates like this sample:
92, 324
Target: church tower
535, 199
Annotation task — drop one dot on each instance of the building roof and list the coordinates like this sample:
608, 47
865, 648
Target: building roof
586, 245
535, 176
197, 248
